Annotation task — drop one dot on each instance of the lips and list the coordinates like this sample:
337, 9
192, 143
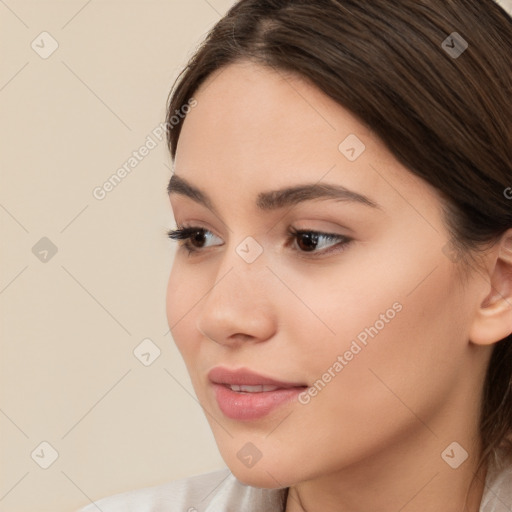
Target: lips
244, 377
245, 395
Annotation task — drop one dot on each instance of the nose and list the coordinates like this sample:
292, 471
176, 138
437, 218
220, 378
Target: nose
238, 308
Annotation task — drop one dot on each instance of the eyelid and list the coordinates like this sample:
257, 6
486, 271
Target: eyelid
192, 225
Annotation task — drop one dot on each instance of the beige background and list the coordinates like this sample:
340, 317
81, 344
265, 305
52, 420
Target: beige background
71, 320
69, 326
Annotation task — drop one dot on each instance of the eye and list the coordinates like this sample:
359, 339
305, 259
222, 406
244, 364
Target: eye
316, 242
193, 238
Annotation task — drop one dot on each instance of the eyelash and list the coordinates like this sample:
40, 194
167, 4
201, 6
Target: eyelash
185, 233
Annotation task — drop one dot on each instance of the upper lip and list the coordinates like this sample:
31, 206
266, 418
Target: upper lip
245, 377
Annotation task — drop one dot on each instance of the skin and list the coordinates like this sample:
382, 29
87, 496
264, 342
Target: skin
372, 438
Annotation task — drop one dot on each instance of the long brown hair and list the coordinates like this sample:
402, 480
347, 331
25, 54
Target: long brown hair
432, 78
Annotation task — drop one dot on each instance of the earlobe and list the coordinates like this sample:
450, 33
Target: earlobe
493, 320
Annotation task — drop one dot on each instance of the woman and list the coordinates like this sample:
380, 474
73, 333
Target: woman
342, 290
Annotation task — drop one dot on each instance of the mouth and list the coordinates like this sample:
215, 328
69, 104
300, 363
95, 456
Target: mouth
245, 378
245, 395
251, 389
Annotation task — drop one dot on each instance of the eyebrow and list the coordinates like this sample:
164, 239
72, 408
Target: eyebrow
276, 199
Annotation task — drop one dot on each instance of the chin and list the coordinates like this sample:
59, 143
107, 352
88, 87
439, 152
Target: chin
264, 474
259, 477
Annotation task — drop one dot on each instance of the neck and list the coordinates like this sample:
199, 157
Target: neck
401, 478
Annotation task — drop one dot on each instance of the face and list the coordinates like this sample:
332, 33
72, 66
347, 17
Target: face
318, 263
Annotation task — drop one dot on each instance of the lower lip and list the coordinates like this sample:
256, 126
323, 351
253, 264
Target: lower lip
252, 406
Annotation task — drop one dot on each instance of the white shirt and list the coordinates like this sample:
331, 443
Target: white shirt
220, 491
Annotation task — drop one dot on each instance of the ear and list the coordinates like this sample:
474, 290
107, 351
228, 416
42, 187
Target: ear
493, 319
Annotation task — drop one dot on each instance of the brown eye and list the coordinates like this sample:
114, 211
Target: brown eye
197, 238
316, 242
193, 238
307, 241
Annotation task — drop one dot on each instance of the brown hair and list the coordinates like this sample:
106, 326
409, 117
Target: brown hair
445, 116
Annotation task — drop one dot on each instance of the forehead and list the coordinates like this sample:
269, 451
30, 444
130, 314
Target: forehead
255, 129
247, 108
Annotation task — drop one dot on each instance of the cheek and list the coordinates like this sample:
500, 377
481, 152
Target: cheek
397, 329
183, 294
393, 345
414, 291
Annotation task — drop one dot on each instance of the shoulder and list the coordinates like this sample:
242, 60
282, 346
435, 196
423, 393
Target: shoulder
178, 495
497, 496
199, 493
